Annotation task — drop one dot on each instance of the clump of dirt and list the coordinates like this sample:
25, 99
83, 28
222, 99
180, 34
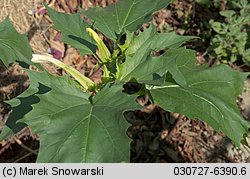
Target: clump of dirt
160, 136
21, 149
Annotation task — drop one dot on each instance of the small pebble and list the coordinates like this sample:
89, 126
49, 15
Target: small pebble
31, 12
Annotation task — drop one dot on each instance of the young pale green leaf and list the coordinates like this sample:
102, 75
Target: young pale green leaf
227, 13
124, 15
13, 46
96, 131
218, 27
73, 30
210, 96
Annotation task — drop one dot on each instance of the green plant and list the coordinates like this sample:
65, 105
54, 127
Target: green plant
231, 41
80, 121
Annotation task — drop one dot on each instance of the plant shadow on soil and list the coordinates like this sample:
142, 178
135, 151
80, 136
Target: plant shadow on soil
13, 81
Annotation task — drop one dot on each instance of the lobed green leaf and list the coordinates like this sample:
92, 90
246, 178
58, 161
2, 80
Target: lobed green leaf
73, 29
124, 15
210, 95
96, 131
13, 46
